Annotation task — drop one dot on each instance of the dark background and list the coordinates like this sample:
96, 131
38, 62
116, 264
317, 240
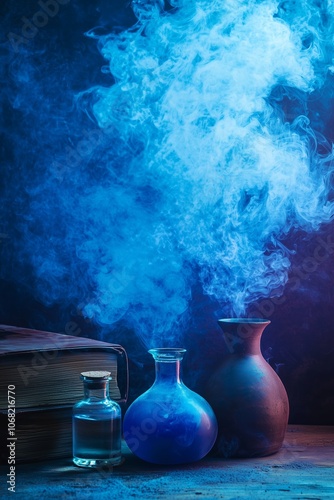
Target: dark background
37, 87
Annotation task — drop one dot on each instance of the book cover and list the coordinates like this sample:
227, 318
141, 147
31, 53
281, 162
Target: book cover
45, 367
40, 382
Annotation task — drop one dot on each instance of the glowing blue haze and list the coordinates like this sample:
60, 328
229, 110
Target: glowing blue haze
203, 176
227, 176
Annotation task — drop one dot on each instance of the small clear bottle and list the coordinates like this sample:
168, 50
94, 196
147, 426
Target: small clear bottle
96, 424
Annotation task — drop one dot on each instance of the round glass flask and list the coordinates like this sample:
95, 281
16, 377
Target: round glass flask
96, 428
169, 423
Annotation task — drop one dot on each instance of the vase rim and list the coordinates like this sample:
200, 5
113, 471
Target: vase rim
167, 354
258, 321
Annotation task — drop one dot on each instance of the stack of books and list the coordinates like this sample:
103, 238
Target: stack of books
39, 384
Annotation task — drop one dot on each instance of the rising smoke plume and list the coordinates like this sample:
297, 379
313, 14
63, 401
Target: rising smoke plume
203, 159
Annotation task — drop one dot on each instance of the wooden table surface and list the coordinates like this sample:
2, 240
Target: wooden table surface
303, 469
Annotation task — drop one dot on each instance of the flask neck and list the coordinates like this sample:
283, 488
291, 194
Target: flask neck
168, 372
167, 364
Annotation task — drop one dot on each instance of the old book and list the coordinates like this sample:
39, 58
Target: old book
40, 375
40, 434
45, 367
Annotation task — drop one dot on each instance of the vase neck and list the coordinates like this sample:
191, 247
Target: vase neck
243, 336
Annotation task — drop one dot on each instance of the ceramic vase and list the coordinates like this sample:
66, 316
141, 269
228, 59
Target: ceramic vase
246, 394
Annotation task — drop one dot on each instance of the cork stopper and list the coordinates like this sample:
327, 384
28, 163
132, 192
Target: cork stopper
96, 375
96, 379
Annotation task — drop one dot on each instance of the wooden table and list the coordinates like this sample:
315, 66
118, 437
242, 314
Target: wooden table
303, 469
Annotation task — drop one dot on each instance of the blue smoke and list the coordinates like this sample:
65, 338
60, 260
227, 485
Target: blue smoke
201, 155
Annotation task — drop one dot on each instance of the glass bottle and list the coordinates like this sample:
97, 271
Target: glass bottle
247, 395
169, 423
96, 423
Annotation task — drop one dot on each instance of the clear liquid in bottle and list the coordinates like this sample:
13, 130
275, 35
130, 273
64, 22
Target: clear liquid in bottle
96, 424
